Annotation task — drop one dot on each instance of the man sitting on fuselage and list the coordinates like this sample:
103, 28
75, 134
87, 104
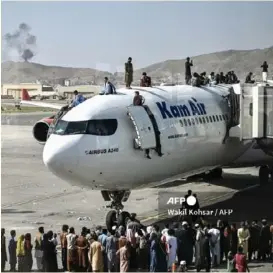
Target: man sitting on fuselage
77, 100
109, 88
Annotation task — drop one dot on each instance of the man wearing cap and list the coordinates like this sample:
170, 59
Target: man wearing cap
186, 244
129, 73
215, 245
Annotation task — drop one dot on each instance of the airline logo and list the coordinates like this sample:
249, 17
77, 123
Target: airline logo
183, 110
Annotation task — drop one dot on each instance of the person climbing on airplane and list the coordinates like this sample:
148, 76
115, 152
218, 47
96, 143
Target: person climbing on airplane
109, 88
77, 100
145, 80
138, 99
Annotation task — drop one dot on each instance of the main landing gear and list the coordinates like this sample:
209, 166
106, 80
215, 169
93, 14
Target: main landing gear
264, 173
116, 216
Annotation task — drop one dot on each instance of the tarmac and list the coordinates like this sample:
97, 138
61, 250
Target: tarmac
32, 196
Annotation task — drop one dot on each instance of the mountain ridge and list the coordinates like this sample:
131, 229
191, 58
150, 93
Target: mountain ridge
172, 70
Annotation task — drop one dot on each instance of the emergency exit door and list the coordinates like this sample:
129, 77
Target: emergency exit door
143, 126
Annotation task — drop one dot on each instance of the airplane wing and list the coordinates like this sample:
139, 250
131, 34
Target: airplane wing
42, 104
27, 101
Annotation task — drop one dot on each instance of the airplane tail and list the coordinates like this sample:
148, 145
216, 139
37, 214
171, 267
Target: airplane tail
25, 95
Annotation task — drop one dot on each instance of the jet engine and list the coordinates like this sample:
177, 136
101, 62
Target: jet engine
40, 129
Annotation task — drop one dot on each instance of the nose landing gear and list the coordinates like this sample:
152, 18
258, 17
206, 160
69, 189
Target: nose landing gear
116, 216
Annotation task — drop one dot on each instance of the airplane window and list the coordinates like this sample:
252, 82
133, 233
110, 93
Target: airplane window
185, 122
204, 121
220, 117
200, 120
217, 118
189, 122
181, 123
102, 127
196, 121
210, 118
192, 121
214, 118
207, 119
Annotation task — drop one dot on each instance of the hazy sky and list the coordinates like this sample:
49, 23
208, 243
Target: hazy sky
103, 35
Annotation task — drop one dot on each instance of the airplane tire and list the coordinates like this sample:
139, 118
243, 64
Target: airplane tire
123, 218
264, 175
216, 173
111, 219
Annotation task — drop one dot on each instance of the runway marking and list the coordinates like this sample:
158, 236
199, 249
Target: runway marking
206, 200
40, 199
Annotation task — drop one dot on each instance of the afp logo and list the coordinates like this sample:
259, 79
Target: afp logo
190, 200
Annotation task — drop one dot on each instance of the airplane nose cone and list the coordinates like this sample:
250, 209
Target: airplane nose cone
60, 154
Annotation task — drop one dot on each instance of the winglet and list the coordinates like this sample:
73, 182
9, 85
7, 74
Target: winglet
25, 95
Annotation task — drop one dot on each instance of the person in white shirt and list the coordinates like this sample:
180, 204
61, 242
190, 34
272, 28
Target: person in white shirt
54, 240
171, 247
71, 249
215, 245
109, 88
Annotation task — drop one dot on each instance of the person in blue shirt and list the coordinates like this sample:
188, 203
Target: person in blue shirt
78, 99
109, 88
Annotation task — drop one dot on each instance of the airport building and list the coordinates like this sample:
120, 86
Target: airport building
13, 91
86, 90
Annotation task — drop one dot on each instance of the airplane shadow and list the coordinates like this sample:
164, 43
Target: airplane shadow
253, 204
232, 181
15, 211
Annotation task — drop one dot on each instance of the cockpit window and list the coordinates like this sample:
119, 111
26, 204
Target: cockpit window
102, 127
98, 127
60, 127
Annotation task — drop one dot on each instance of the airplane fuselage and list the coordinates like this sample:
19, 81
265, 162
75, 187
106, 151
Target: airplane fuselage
192, 123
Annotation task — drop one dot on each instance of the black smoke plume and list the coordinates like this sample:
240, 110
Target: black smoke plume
22, 41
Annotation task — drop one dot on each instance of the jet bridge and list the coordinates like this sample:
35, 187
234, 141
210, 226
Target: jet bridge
256, 115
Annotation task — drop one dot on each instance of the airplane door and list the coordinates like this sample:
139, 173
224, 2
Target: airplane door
143, 126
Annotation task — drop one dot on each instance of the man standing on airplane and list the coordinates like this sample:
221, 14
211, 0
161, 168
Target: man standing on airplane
264, 66
77, 100
188, 65
129, 73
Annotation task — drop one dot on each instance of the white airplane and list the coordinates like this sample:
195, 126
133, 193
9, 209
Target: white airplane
100, 143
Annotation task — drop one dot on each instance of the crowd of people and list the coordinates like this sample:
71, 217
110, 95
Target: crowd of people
177, 247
